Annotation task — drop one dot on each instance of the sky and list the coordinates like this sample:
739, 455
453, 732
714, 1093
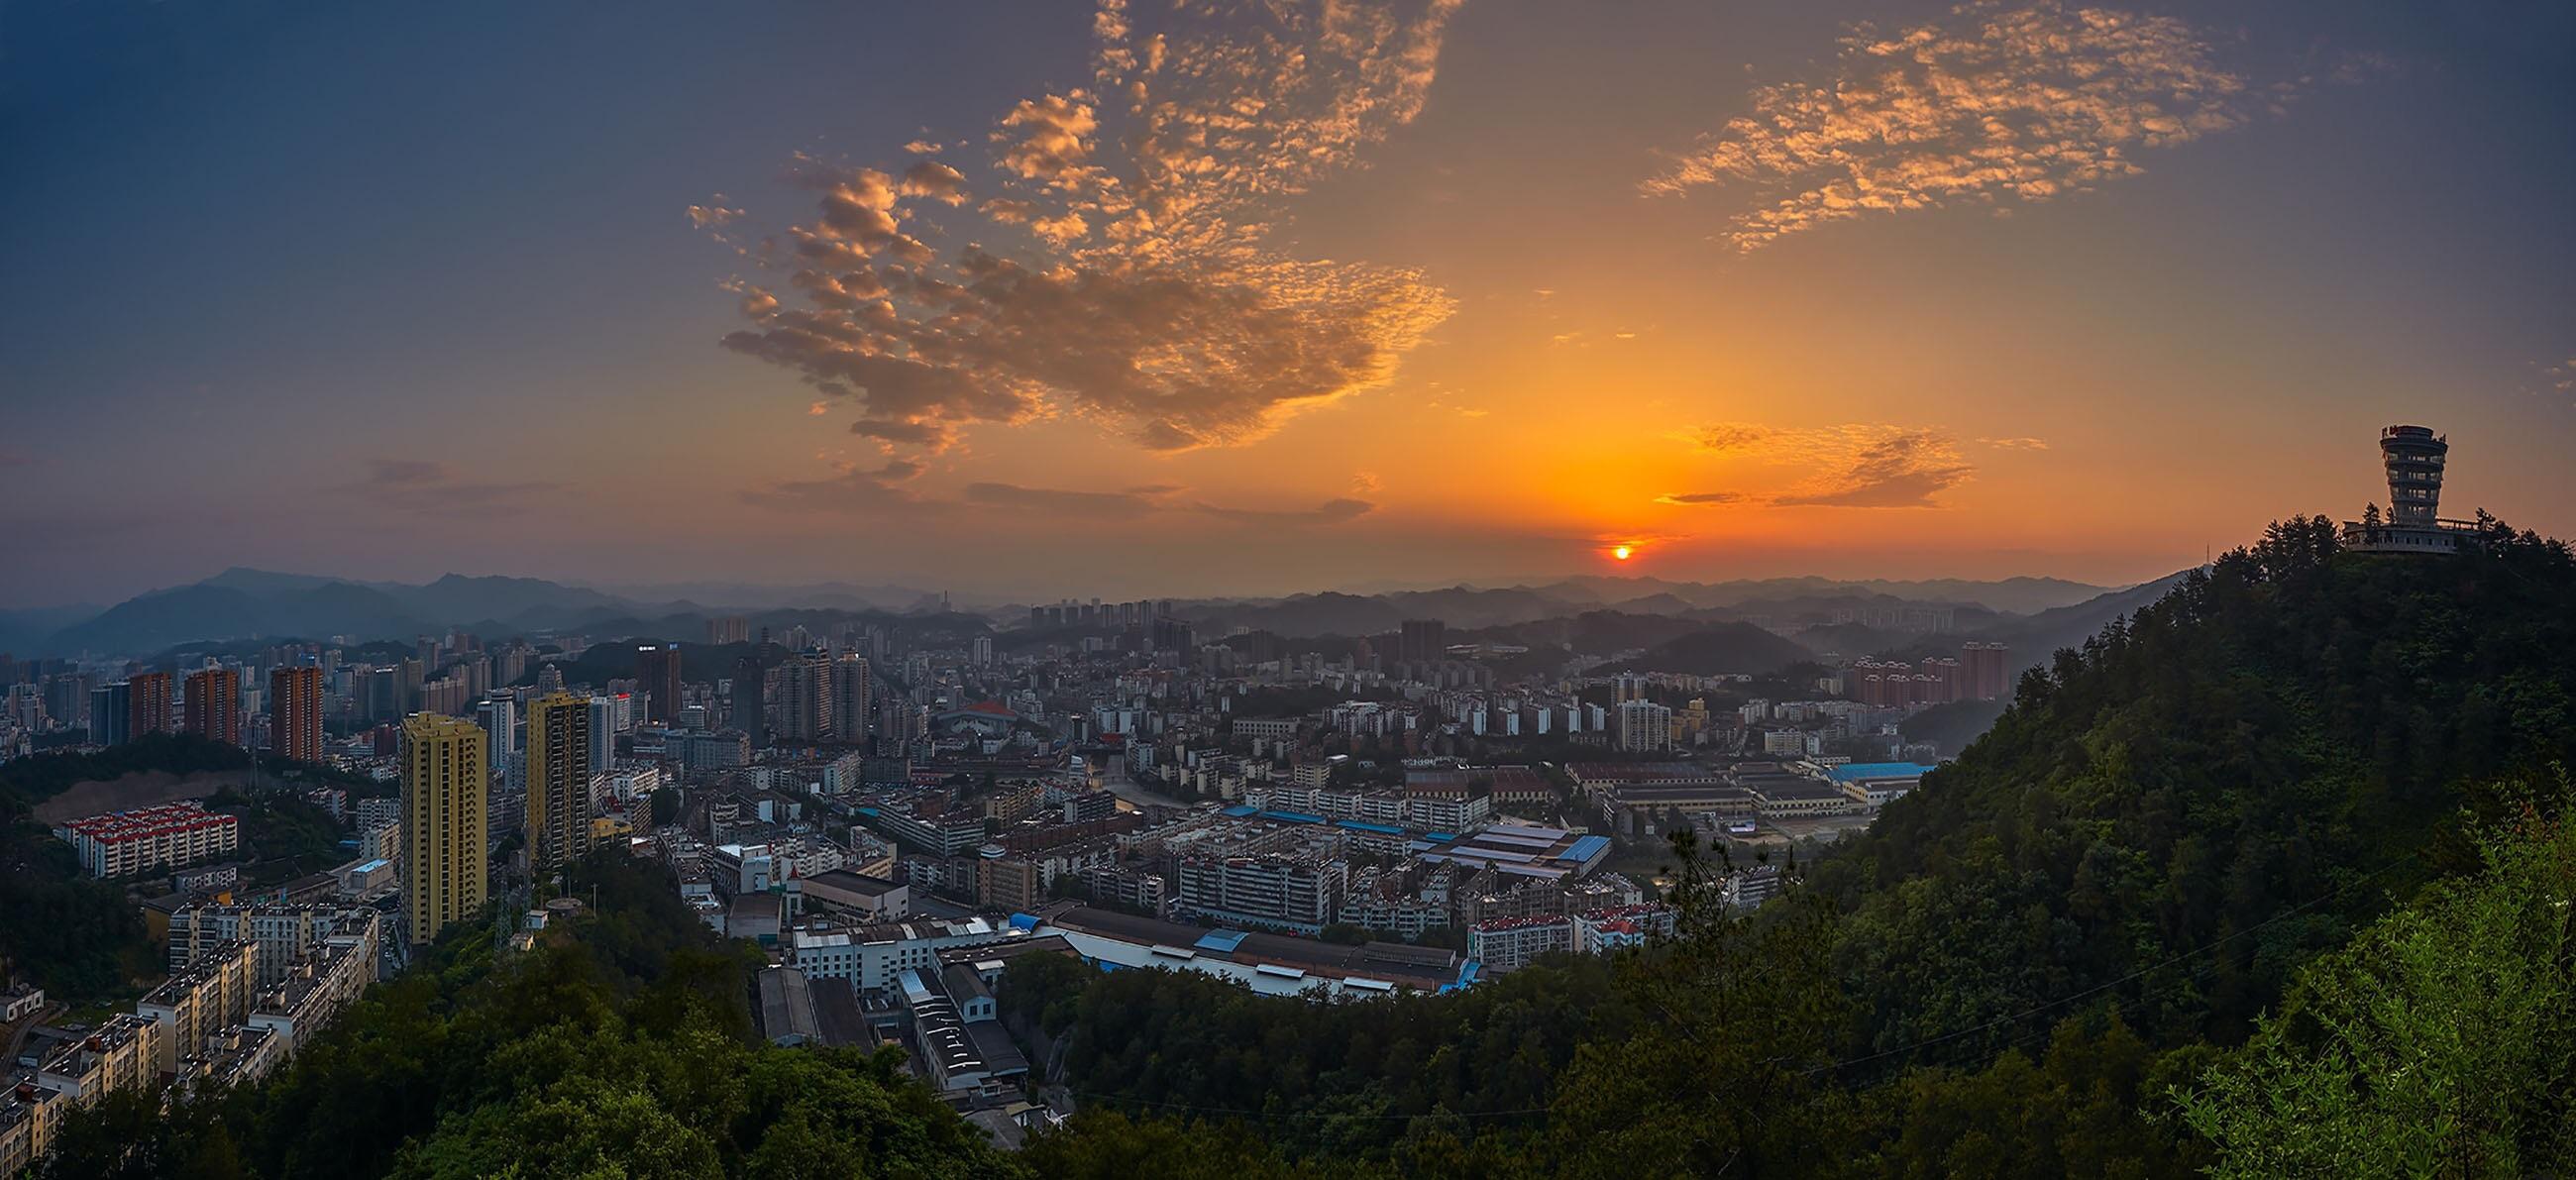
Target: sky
1192, 298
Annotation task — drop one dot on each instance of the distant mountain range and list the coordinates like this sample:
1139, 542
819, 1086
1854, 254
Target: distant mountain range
1594, 615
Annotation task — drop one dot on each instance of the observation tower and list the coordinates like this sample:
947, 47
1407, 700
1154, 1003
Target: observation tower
2414, 457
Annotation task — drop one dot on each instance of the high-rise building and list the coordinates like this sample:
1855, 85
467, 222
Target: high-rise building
1423, 641
751, 701
148, 709
603, 733
1985, 671
446, 781
1628, 686
805, 699
498, 714
729, 629
295, 713
657, 669
852, 691
1644, 726
558, 780
111, 713
212, 706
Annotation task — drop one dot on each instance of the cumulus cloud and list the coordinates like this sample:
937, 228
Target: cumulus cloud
420, 485
1993, 104
1119, 265
1850, 466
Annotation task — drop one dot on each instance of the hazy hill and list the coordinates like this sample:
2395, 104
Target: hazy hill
1721, 649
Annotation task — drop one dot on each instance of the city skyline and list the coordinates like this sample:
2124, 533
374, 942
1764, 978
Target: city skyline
1434, 293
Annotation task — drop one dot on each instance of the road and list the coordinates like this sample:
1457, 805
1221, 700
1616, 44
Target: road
1117, 783
18, 1035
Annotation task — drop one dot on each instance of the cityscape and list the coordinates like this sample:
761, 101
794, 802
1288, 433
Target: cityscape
1321, 588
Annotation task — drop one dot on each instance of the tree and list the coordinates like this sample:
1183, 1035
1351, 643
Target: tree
2440, 1042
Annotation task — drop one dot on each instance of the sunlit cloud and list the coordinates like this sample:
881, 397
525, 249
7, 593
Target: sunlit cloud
1849, 466
1119, 267
425, 486
1992, 105
2015, 444
714, 214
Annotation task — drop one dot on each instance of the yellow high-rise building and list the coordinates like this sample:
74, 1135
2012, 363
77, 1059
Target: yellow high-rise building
447, 783
558, 781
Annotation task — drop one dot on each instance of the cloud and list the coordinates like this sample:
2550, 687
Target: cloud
1334, 511
1120, 266
2015, 444
714, 214
1993, 104
850, 487
937, 181
420, 485
1901, 471
1058, 501
16, 459
1849, 466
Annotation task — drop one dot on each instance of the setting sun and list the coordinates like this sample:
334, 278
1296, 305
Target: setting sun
1622, 552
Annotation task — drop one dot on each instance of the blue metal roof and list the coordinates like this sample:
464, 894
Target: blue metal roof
1856, 771
1294, 817
1240, 810
1024, 922
1380, 829
1222, 942
1586, 847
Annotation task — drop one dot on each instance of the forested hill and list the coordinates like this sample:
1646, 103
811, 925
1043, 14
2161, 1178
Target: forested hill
2292, 727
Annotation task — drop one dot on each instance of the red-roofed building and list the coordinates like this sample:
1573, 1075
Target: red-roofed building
172, 834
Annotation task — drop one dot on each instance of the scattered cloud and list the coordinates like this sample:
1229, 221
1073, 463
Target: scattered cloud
16, 459
1850, 466
2561, 376
2015, 444
420, 485
714, 214
1119, 267
1993, 104
1702, 499
1365, 483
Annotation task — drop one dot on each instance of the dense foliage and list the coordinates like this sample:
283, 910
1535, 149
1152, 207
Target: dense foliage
29, 781
1346, 1079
